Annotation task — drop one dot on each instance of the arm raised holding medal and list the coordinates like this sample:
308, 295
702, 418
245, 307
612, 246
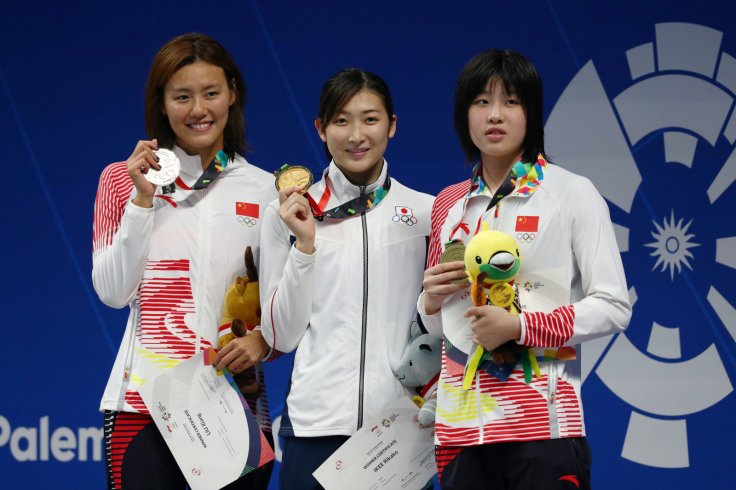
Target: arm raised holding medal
164, 246
137, 165
342, 267
296, 213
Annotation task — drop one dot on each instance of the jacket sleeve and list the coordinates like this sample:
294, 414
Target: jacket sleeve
433, 323
605, 307
121, 234
286, 286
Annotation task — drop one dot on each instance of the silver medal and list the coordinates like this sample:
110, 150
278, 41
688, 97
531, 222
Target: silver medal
170, 167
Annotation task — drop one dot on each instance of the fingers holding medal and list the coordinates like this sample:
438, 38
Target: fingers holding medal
143, 158
454, 252
142, 161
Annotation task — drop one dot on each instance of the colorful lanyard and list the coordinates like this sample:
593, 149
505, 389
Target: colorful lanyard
213, 170
364, 202
523, 180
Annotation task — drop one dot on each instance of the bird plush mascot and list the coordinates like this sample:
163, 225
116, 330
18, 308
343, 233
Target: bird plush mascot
492, 261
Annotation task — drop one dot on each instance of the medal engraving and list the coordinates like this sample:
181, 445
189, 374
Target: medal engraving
170, 166
294, 176
454, 251
501, 294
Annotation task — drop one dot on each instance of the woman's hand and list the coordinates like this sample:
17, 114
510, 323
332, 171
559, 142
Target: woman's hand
493, 326
138, 163
296, 213
242, 352
437, 285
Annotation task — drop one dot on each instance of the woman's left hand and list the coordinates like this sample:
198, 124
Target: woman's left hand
242, 352
493, 326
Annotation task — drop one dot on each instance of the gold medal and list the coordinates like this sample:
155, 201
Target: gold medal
454, 251
294, 176
501, 294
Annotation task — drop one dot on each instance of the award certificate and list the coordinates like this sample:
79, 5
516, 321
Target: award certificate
389, 452
540, 291
206, 423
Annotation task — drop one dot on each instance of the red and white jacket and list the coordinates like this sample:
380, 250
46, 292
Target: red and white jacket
171, 264
571, 288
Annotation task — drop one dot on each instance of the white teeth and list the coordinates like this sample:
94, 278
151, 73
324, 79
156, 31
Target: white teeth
200, 126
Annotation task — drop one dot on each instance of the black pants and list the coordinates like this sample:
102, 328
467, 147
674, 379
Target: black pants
138, 457
302, 456
556, 464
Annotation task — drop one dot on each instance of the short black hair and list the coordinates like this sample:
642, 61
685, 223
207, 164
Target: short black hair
520, 77
343, 86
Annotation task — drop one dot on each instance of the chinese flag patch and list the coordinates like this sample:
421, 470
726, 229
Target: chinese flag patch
529, 224
246, 209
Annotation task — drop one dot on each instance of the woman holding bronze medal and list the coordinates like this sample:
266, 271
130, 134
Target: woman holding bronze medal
171, 226
523, 427
344, 294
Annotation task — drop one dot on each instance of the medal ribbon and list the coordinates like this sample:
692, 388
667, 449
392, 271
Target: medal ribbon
213, 170
523, 180
364, 202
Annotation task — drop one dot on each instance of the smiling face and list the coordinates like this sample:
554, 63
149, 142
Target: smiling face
197, 99
357, 137
497, 125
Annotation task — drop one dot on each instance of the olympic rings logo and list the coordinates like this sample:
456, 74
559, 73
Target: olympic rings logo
404, 215
247, 221
404, 218
526, 237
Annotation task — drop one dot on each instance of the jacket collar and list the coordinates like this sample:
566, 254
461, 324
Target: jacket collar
341, 188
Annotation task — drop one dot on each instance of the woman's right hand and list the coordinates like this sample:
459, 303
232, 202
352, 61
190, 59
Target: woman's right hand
437, 285
138, 163
297, 214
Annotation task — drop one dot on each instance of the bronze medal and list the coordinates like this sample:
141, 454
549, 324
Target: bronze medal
454, 251
294, 176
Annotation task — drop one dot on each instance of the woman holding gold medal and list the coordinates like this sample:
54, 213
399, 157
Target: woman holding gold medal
341, 276
171, 225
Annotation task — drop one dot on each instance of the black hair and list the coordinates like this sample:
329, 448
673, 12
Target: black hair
343, 86
519, 77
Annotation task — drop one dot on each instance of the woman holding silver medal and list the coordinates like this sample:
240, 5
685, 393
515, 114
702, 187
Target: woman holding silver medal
168, 242
344, 295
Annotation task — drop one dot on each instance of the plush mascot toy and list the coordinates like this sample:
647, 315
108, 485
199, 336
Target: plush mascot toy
420, 369
492, 260
241, 312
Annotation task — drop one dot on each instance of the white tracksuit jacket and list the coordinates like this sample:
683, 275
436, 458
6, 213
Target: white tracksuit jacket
347, 308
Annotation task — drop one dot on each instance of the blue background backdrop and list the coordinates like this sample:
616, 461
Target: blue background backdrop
71, 90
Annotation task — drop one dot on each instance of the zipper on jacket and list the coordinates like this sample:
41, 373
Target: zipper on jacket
203, 261
479, 402
364, 327
129, 351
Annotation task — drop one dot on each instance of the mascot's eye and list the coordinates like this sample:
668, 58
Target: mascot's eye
478, 260
411, 363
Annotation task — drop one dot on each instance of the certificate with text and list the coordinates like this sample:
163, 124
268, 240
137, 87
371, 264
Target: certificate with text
389, 452
206, 422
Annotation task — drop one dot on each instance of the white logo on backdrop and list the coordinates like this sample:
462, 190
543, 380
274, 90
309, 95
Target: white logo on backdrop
681, 99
